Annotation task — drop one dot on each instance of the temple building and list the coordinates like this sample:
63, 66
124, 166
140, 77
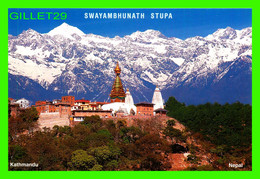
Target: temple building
157, 99
121, 102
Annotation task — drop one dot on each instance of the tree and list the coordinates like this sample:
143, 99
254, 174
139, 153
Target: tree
16, 153
173, 134
101, 154
80, 160
170, 123
112, 165
42, 149
130, 134
152, 151
81, 131
100, 138
61, 130
121, 124
96, 167
29, 116
174, 107
93, 122
25, 121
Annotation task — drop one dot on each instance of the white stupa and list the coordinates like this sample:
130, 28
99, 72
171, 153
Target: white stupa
122, 106
157, 99
116, 106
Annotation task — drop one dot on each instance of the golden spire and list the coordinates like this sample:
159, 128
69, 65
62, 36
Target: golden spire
117, 93
117, 69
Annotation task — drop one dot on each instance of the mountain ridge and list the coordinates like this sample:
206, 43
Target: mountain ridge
82, 64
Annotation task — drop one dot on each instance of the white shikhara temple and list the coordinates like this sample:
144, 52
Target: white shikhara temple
157, 99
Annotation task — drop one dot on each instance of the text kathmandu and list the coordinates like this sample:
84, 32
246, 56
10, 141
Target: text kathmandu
111, 15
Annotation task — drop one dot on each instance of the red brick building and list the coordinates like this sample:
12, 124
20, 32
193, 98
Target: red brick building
144, 109
68, 100
62, 106
45, 107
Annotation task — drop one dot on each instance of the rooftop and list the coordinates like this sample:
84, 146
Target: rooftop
143, 103
160, 110
82, 101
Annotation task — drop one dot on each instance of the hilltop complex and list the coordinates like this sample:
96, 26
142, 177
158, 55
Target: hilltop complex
121, 105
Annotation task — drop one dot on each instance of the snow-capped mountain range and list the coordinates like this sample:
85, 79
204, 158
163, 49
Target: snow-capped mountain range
67, 61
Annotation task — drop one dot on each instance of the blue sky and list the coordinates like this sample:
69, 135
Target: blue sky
184, 24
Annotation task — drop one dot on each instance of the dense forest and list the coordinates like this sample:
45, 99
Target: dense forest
228, 127
92, 145
222, 132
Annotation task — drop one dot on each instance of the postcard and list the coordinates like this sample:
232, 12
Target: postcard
129, 89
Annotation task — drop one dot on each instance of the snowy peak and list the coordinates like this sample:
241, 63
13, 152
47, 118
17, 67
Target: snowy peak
30, 33
151, 34
230, 34
66, 30
247, 32
154, 33
227, 33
